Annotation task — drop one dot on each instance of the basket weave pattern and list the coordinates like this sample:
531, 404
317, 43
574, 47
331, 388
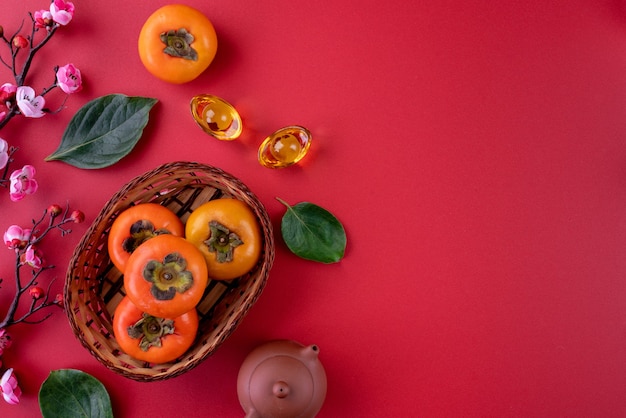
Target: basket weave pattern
94, 287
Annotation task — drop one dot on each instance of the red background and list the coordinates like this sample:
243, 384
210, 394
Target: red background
475, 152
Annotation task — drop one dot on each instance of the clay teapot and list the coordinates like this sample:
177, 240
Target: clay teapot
282, 379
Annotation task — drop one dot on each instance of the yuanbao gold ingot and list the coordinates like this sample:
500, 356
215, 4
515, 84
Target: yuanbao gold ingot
216, 117
285, 147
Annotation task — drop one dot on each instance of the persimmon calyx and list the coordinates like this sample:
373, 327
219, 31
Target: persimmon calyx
168, 277
140, 232
150, 330
178, 44
222, 242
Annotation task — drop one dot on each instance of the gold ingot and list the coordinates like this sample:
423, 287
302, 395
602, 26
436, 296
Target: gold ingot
285, 147
216, 117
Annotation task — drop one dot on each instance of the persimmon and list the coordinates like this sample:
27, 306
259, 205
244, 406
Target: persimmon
137, 224
153, 339
166, 276
227, 233
177, 43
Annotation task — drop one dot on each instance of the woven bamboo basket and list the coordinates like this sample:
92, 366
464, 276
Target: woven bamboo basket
94, 287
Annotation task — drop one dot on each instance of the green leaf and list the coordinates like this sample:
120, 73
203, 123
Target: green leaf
313, 233
71, 393
103, 131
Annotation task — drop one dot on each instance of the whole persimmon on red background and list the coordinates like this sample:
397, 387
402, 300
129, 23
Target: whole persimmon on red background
475, 152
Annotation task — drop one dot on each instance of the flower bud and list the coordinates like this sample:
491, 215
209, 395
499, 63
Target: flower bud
77, 216
54, 210
20, 42
58, 299
36, 292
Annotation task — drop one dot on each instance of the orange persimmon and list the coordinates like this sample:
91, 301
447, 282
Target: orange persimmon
177, 43
153, 339
227, 233
166, 276
137, 224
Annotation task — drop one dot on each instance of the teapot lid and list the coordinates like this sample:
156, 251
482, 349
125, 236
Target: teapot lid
282, 379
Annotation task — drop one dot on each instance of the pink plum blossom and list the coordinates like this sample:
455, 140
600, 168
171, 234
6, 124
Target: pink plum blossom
7, 98
62, 11
68, 79
4, 152
16, 237
43, 19
29, 103
11, 392
7, 93
5, 341
32, 257
23, 183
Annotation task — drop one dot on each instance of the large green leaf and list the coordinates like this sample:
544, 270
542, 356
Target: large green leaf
103, 131
71, 393
313, 233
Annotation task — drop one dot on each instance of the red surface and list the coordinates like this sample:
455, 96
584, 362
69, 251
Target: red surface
475, 152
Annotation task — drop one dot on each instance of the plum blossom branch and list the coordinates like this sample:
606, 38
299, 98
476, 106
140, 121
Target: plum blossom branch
19, 78
68, 77
17, 98
24, 241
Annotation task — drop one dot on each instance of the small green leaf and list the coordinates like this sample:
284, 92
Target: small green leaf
103, 131
71, 393
313, 233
